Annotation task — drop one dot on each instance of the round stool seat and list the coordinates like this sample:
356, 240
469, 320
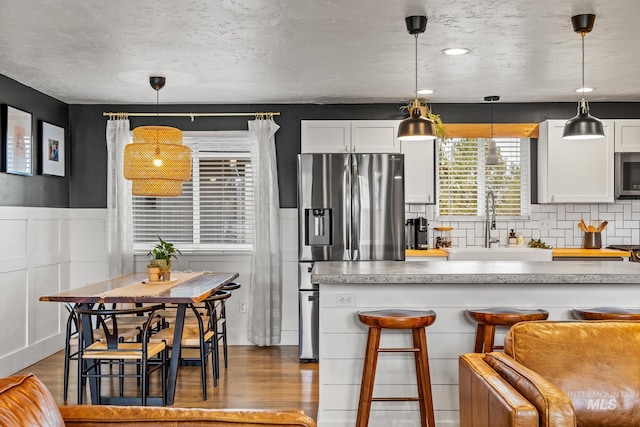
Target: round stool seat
397, 319
488, 318
606, 313
506, 316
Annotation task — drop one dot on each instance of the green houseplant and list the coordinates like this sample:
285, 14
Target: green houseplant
162, 254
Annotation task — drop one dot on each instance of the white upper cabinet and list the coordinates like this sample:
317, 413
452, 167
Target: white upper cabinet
419, 171
375, 136
627, 136
575, 171
325, 136
349, 136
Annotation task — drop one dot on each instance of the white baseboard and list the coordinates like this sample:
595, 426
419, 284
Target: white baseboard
27, 356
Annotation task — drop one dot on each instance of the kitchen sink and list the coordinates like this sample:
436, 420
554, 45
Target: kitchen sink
499, 254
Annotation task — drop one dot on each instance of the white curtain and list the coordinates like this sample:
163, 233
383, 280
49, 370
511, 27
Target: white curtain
265, 295
119, 226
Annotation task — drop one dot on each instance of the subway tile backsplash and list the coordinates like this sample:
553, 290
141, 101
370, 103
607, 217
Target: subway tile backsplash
554, 224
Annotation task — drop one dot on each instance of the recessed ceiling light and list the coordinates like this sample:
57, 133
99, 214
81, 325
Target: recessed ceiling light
425, 91
455, 51
585, 89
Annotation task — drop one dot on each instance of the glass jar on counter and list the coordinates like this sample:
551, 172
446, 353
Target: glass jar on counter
442, 237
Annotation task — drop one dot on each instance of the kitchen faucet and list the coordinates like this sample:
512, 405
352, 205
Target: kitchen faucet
490, 220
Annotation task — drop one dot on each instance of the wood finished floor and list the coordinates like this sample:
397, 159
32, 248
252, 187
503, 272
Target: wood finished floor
257, 377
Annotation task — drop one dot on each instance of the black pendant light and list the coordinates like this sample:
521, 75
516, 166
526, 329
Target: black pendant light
417, 127
583, 125
492, 156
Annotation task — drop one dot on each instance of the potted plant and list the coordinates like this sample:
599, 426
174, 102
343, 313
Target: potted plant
162, 254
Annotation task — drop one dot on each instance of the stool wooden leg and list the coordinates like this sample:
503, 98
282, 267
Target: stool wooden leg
489, 337
368, 377
423, 378
479, 338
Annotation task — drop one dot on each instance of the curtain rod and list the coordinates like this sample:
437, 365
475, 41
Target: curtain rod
192, 115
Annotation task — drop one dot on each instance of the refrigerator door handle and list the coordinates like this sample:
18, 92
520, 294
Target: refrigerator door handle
355, 211
347, 225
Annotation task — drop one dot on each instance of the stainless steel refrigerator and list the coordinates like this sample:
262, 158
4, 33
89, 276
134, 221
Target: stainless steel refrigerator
350, 208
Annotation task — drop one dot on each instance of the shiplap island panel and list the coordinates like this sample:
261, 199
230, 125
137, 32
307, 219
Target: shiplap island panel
447, 288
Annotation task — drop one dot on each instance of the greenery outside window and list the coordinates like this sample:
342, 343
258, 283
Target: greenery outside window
464, 179
215, 212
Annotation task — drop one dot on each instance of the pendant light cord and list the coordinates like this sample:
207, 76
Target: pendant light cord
582, 34
492, 120
416, 36
157, 107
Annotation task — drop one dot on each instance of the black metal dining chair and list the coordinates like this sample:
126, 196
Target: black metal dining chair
116, 348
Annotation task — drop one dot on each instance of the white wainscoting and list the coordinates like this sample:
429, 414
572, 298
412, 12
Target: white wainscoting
48, 250
44, 251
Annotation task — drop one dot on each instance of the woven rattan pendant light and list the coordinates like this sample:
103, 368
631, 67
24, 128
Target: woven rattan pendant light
156, 161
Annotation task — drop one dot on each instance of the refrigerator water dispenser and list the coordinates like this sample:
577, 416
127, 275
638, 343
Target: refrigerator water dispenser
318, 226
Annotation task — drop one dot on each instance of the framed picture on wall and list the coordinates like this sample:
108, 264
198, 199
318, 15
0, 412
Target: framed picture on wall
17, 141
52, 148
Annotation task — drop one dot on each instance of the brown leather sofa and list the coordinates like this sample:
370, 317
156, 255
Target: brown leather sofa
25, 402
555, 374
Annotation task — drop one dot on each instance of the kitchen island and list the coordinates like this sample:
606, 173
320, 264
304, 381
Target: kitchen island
448, 288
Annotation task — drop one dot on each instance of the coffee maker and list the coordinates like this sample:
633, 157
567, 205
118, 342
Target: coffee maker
416, 232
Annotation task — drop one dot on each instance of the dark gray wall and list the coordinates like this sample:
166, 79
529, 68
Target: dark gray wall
88, 186
86, 153
36, 190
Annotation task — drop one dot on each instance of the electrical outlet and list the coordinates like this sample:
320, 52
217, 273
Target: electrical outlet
345, 300
545, 224
243, 307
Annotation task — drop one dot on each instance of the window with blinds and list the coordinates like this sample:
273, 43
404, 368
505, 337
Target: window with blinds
464, 179
215, 211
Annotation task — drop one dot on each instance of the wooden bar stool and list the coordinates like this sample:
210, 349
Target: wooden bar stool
416, 321
489, 318
606, 313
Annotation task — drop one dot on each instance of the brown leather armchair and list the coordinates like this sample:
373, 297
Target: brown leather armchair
555, 374
25, 402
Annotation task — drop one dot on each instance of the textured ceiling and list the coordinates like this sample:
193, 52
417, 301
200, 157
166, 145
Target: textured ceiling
317, 51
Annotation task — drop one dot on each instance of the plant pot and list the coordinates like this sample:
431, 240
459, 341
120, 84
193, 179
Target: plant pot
163, 264
153, 273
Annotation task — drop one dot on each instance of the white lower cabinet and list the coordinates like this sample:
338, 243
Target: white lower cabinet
575, 171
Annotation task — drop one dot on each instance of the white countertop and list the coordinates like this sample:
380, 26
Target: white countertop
469, 272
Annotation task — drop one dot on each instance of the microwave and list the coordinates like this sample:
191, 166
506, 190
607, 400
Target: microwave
627, 175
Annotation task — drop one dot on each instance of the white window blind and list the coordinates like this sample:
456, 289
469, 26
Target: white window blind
464, 178
215, 210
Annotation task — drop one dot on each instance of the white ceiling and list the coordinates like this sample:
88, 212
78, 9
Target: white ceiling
317, 51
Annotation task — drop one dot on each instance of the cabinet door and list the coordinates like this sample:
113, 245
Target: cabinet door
419, 171
574, 171
325, 136
375, 136
627, 136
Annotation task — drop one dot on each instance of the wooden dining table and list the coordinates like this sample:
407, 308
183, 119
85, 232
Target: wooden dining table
183, 290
